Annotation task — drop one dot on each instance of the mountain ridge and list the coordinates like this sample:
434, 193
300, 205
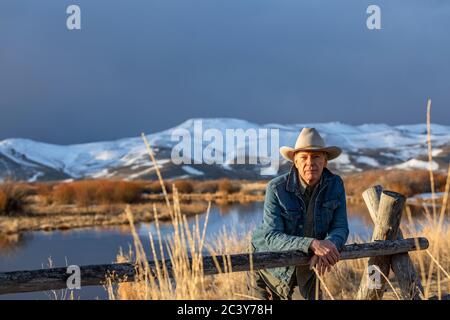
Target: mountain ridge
365, 146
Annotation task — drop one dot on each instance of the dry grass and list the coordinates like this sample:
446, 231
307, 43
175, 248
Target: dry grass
187, 280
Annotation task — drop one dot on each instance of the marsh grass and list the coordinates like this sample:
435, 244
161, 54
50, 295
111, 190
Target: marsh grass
185, 248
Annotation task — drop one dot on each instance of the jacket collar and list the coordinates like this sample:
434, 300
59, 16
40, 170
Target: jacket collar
293, 183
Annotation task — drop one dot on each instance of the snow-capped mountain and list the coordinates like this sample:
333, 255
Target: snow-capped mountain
365, 146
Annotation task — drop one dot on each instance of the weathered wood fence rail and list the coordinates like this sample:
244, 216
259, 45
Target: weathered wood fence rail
91, 275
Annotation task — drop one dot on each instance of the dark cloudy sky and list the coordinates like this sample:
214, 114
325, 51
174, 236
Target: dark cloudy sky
148, 65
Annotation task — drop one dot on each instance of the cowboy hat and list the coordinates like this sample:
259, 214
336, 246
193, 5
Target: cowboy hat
310, 140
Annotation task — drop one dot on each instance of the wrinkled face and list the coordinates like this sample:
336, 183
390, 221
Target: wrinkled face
310, 165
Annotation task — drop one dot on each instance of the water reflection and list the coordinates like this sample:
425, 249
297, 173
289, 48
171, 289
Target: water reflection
11, 243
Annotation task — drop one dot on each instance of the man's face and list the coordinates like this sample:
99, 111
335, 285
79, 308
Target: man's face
310, 165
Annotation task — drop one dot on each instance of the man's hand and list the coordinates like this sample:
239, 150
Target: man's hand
326, 250
320, 264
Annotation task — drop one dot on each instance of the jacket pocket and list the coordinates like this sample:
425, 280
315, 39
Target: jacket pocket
331, 204
328, 210
291, 220
291, 214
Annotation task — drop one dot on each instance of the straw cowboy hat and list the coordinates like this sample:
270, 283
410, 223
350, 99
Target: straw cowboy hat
310, 140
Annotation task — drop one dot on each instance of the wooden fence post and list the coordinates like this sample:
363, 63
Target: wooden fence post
401, 264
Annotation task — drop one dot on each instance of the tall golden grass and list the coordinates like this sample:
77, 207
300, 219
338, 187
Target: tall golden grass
185, 248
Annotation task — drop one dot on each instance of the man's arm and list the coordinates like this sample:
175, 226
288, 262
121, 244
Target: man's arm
274, 230
338, 232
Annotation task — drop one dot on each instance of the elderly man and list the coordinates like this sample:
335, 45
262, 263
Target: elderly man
304, 210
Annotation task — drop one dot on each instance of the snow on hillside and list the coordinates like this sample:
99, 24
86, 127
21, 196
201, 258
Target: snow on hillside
397, 147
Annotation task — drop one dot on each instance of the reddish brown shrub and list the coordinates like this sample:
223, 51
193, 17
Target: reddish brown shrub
155, 187
63, 193
44, 191
127, 192
12, 197
3, 202
408, 183
224, 185
90, 192
207, 187
184, 186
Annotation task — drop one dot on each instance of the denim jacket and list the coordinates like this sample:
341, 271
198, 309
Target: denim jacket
285, 212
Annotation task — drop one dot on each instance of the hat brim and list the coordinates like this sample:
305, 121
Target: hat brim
332, 152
